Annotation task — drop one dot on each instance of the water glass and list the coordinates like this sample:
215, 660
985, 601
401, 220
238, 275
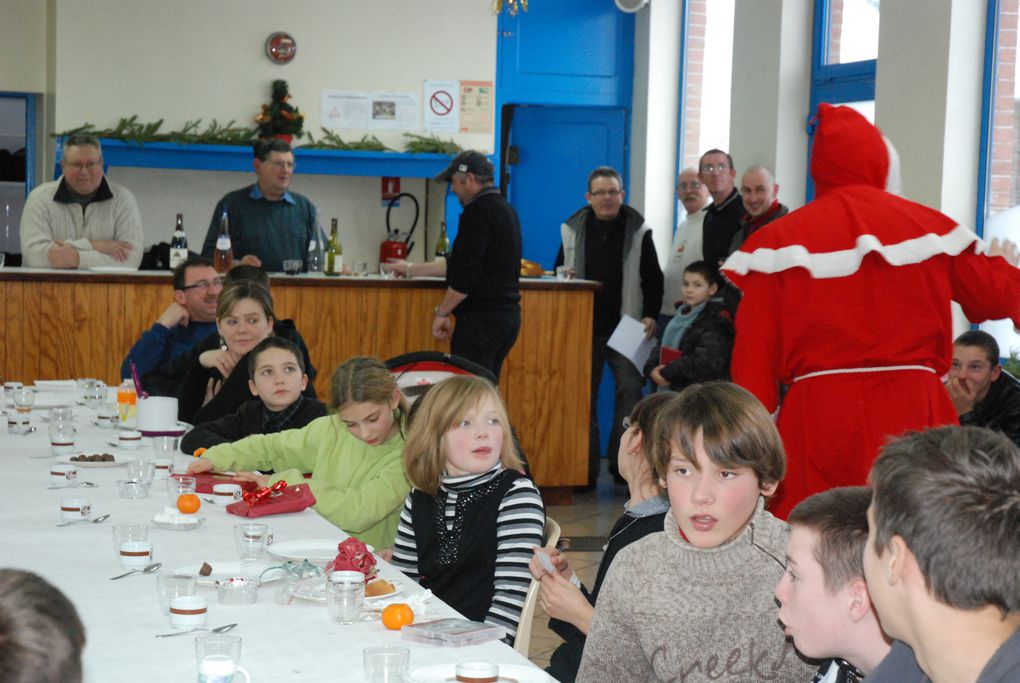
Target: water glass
94, 393
344, 598
292, 266
251, 540
385, 271
141, 470
126, 533
169, 586
61, 438
361, 268
62, 415
164, 446
24, 399
385, 664
176, 486
217, 657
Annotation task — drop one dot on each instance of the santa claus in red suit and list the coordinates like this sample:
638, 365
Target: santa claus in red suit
846, 301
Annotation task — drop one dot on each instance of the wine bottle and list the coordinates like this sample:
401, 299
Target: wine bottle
223, 257
443, 245
334, 251
178, 244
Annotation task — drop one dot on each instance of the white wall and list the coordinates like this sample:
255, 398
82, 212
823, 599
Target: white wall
191, 59
22, 46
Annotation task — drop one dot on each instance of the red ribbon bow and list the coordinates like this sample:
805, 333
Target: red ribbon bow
260, 496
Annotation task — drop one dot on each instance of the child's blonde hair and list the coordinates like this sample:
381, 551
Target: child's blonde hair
437, 412
363, 379
735, 428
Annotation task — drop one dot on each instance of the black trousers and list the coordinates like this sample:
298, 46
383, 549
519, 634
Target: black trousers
486, 337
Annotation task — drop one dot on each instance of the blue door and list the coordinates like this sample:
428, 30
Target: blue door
555, 149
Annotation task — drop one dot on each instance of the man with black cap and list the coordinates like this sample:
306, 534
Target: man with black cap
483, 270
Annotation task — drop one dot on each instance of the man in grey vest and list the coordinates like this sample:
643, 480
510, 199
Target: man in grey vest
608, 241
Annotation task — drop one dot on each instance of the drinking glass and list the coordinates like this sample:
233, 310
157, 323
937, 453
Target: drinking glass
177, 486
164, 446
62, 438
251, 540
126, 533
217, 657
361, 268
94, 394
292, 266
344, 598
169, 586
62, 414
24, 399
385, 664
141, 470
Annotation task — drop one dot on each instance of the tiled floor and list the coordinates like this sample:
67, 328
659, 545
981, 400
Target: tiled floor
591, 515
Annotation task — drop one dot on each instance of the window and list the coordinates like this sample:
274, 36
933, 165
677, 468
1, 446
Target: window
852, 34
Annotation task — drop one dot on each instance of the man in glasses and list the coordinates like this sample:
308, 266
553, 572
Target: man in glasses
190, 318
686, 249
81, 220
722, 218
268, 222
608, 241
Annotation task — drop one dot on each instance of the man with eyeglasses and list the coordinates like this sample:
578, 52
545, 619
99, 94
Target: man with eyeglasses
722, 217
268, 222
81, 220
609, 242
687, 248
190, 318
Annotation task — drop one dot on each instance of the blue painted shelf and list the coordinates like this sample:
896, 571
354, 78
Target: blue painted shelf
239, 158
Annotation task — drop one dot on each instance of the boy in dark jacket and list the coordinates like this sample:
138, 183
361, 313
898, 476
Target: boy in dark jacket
696, 344
276, 375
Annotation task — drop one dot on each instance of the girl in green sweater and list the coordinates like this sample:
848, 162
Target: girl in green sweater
353, 455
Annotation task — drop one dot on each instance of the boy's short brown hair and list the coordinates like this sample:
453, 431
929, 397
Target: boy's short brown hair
274, 342
840, 518
735, 428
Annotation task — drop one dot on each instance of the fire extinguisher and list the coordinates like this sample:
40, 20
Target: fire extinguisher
397, 245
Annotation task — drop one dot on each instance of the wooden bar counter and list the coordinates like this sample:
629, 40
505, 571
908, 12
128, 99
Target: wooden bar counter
60, 325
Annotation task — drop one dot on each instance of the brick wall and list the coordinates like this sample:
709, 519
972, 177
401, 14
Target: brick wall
1003, 183
696, 20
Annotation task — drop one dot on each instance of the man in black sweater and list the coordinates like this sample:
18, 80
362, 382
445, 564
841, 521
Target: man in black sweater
723, 215
608, 241
483, 270
984, 395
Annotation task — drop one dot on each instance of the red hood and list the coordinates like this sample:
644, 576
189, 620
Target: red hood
848, 150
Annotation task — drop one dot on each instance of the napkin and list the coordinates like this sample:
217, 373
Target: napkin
291, 499
353, 555
68, 384
205, 481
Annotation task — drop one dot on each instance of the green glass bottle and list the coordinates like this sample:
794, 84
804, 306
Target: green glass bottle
334, 251
443, 245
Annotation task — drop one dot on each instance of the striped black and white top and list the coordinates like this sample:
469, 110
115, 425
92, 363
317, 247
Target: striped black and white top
520, 526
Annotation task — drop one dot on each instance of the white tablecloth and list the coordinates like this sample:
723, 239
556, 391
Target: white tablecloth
280, 643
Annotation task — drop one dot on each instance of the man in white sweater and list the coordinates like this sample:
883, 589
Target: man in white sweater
81, 220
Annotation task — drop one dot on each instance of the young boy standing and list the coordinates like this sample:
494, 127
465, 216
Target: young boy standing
695, 603
824, 600
697, 343
276, 374
942, 558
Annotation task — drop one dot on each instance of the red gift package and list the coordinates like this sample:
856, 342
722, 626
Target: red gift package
205, 481
290, 499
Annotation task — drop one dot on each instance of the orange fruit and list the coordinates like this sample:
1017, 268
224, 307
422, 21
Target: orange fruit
397, 616
188, 503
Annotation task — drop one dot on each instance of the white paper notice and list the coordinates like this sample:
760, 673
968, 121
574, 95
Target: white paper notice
393, 111
442, 110
629, 340
344, 109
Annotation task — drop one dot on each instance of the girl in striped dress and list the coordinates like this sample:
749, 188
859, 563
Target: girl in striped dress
470, 522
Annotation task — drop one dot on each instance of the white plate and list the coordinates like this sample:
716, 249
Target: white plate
183, 523
444, 672
312, 549
113, 269
224, 570
317, 593
117, 461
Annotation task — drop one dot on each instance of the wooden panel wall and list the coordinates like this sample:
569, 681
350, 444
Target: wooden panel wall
60, 327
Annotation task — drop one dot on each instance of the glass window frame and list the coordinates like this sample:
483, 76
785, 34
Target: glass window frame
833, 83
988, 91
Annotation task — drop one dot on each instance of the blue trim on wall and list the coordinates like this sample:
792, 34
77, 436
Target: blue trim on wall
681, 110
987, 112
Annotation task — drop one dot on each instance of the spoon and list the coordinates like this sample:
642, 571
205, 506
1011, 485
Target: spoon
79, 485
97, 520
144, 570
217, 630
28, 431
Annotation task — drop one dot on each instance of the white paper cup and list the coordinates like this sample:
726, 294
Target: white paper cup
135, 554
129, 439
63, 475
188, 611
225, 494
164, 468
73, 509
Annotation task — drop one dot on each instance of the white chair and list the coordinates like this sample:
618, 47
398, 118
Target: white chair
523, 640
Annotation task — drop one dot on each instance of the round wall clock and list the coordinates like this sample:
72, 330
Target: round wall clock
281, 47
